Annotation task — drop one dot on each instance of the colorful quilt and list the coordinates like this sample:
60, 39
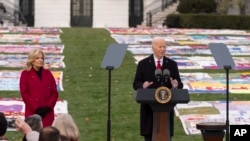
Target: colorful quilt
35, 30
9, 80
16, 42
19, 60
189, 48
30, 38
174, 31
211, 111
14, 107
144, 49
215, 83
202, 62
25, 48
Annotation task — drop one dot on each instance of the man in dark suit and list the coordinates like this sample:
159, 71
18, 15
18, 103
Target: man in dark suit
145, 78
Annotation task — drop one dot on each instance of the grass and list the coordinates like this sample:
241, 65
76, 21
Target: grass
85, 86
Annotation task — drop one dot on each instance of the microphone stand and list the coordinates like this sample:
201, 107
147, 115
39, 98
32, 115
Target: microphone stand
162, 81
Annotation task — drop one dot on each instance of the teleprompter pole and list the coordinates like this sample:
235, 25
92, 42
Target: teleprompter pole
109, 68
227, 68
112, 60
224, 60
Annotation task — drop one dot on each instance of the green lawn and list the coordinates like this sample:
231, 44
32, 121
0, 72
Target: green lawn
85, 86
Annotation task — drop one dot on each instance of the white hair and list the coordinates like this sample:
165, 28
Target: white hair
156, 39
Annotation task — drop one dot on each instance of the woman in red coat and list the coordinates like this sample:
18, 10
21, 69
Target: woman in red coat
38, 88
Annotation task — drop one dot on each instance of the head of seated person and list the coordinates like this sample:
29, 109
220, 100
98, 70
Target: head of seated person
49, 133
3, 126
35, 122
67, 127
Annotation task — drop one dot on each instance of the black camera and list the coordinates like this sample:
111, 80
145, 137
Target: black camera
11, 122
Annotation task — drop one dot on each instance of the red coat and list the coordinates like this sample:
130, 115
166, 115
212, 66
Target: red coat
37, 93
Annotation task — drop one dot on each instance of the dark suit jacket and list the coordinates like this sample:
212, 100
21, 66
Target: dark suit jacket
146, 72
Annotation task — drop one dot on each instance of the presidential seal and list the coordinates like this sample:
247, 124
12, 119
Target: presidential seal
163, 95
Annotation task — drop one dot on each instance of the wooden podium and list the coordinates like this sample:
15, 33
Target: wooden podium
162, 100
212, 131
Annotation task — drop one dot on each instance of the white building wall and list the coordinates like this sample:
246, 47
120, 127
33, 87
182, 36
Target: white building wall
106, 13
52, 13
110, 13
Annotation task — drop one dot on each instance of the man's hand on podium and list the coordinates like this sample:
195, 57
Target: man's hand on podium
174, 82
146, 84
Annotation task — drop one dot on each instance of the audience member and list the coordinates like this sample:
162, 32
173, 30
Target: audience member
2, 7
3, 127
2, 10
67, 127
35, 123
63, 124
24, 128
38, 88
49, 133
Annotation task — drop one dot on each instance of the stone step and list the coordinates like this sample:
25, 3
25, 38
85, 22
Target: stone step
158, 19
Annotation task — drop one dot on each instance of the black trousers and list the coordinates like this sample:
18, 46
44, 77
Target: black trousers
147, 138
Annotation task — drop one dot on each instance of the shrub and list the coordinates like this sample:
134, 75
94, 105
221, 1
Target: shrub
197, 6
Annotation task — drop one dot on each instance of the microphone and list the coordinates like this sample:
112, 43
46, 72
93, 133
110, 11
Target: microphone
166, 75
158, 74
